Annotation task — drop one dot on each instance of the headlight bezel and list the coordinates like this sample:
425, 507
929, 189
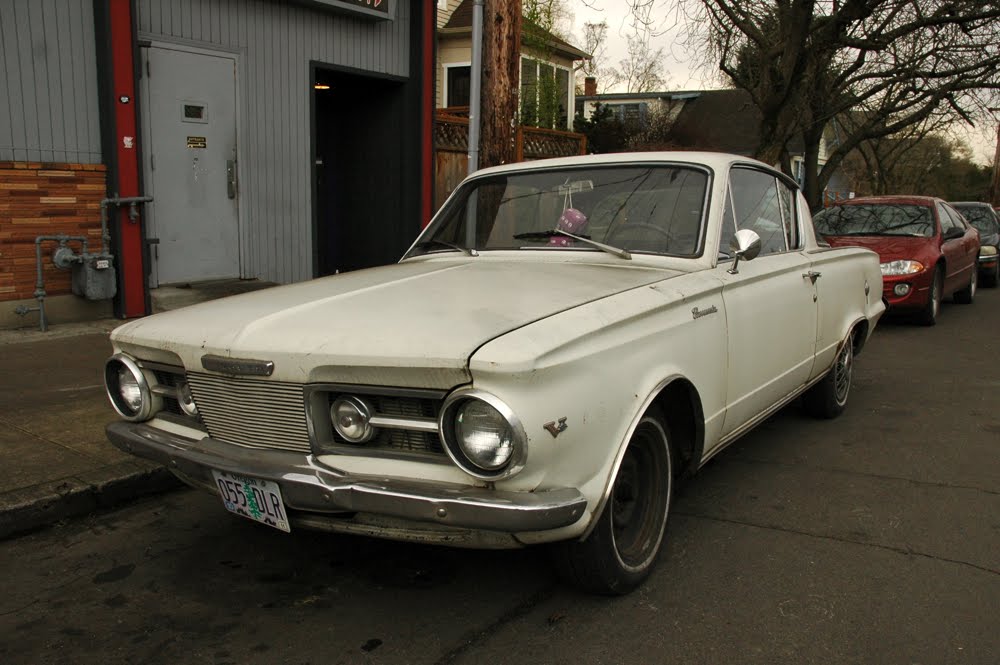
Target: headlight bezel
899, 267
148, 406
451, 445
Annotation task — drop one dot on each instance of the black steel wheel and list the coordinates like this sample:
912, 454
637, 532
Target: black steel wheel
622, 548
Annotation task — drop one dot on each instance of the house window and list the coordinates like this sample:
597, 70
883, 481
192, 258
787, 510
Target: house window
459, 83
633, 115
545, 94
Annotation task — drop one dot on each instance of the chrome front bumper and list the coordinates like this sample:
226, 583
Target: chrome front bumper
309, 486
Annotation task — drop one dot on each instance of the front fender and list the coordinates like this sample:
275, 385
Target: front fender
599, 366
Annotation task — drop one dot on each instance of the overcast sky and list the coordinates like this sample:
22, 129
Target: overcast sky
681, 69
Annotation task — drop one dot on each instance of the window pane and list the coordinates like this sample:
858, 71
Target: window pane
562, 84
459, 83
755, 195
654, 209
529, 91
787, 197
548, 96
866, 219
946, 223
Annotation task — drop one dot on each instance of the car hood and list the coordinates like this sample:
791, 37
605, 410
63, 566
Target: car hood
889, 248
426, 315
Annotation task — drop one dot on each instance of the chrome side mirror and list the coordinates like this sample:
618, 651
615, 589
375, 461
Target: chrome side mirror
744, 245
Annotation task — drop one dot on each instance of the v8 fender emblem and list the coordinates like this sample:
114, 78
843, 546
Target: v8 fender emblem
556, 428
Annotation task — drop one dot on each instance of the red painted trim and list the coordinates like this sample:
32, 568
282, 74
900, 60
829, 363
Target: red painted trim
129, 233
427, 158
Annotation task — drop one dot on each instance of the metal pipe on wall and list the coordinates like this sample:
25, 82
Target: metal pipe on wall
43, 323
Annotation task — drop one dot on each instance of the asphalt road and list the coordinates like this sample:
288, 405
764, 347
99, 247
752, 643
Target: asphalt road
874, 538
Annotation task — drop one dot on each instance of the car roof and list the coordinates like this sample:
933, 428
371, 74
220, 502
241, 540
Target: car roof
971, 204
714, 160
894, 199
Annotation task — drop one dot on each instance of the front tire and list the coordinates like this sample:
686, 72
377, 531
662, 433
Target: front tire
622, 548
828, 398
929, 314
968, 294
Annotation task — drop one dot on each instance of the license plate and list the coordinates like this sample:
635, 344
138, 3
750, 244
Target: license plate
253, 498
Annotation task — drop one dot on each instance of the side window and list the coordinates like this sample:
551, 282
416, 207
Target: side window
728, 226
957, 218
946, 222
787, 197
758, 208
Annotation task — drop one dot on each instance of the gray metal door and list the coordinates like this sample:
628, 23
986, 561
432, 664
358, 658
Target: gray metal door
190, 164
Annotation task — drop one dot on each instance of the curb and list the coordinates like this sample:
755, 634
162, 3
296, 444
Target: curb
42, 505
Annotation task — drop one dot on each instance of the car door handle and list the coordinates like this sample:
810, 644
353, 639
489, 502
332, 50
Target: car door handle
812, 275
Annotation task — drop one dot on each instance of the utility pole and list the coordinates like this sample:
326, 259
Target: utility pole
501, 76
475, 92
995, 181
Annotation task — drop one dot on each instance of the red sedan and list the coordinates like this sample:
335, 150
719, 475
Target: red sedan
927, 249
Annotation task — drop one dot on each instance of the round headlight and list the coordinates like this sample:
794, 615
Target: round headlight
186, 400
351, 418
482, 435
128, 388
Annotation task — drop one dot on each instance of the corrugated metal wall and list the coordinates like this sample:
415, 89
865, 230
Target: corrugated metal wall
48, 84
276, 41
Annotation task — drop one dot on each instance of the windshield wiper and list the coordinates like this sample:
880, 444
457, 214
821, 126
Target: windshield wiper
434, 242
534, 235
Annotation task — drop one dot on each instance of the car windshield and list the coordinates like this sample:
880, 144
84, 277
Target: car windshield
882, 219
980, 217
620, 209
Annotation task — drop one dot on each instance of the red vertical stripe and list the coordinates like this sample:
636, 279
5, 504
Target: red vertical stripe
129, 260
427, 159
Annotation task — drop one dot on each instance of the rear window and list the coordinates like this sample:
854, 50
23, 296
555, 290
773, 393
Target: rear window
980, 217
875, 220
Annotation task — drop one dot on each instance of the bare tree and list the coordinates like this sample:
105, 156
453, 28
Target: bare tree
877, 66
595, 36
552, 16
501, 70
642, 69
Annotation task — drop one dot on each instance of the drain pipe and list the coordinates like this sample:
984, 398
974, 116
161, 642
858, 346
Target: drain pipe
67, 255
475, 85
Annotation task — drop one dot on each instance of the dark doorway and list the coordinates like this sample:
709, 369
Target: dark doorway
364, 153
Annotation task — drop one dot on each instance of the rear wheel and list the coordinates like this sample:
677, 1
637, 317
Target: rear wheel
828, 398
929, 314
622, 548
968, 294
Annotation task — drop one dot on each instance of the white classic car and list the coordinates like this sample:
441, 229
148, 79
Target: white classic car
564, 341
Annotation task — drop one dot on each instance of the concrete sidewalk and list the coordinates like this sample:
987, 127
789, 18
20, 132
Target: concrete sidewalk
55, 461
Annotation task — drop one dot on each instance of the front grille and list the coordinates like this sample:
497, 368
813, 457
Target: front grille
251, 412
399, 439
169, 379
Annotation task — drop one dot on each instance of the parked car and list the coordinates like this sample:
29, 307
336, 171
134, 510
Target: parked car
987, 222
927, 249
565, 341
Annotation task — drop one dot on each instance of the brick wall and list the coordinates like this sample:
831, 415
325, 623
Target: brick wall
45, 199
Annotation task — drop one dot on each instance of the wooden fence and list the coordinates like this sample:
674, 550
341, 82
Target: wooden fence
451, 148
